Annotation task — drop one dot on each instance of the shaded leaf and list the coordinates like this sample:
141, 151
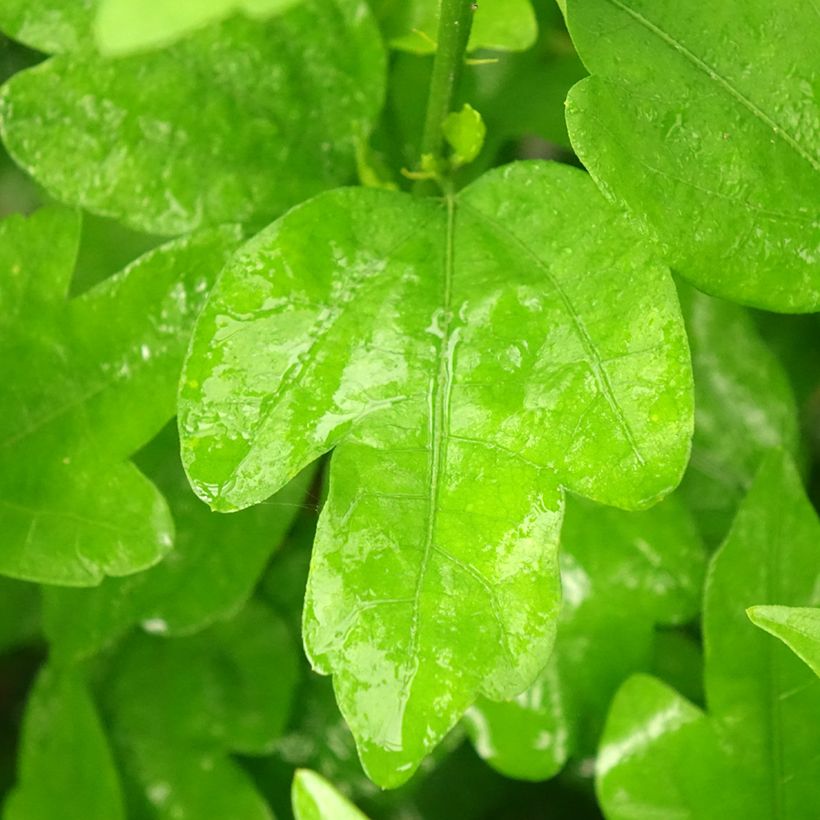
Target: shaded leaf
744, 406
207, 576
316, 799
797, 627
19, 613
754, 753
704, 124
66, 768
90, 381
468, 358
233, 124
179, 706
621, 573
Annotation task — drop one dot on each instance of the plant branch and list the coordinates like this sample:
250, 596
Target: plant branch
455, 22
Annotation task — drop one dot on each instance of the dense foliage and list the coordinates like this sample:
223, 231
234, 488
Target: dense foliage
404, 409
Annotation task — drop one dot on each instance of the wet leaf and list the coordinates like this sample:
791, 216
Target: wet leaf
91, 380
316, 799
754, 753
203, 132
621, 573
66, 768
703, 123
207, 576
178, 707
798, 628
507, 26
468, 358
124, 26
744, 406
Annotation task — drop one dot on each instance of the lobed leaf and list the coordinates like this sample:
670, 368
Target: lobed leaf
703, 123
235, 123
466, 359
91, 380
798, 628
754, 754
621, 573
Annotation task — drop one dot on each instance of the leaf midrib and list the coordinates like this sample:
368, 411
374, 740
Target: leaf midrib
722, 81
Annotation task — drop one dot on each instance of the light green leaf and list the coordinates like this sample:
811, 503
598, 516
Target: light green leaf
51, 26
703, 121
178, 707
797, 627
90, 381
744, 406
754, 755
157, 143
504, 25
468, 358
316, 799
621, 573
464, 131
207, 576
66, 768
124, 26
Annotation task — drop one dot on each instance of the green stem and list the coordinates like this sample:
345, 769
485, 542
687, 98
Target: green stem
454, 26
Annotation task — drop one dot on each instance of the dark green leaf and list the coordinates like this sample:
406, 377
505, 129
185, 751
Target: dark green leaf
233, 124
468, 358
754, 755
91, 380
703, 121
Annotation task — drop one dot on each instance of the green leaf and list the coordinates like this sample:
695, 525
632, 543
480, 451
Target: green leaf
797, 627
505, 26
704, 124
66, 768
468, 358
203, 132
465, 132
178, 707
19, 613
90, 381
207, 576
316, 799
51, 26
744, 406
621, 573
754, 755
124, 26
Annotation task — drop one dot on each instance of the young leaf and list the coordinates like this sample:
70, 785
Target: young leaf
179, 706
203, 132
124, 26
702, 122
755, 754
469, 358
316, 799
744, 406
621, 573
465, 132
507, 26
797, 627
66, 769
207, 576
90, 381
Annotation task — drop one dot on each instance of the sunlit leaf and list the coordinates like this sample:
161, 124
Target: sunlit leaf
316, 799
798, 628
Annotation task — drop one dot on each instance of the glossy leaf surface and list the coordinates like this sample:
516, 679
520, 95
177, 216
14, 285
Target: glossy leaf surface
704, 123
65, 759
203, 132
798, 628
754, 754
468, 358
179, 706
621, 573
316, 799
90, 381
507, 26
207, 576
744, 406
123, 26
